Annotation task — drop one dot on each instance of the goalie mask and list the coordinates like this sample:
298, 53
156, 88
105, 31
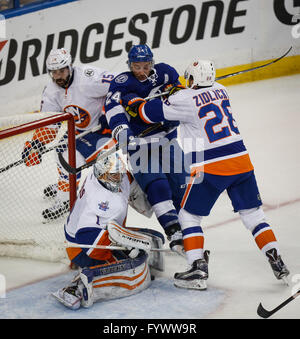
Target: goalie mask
59, 66
201, 72
110, 171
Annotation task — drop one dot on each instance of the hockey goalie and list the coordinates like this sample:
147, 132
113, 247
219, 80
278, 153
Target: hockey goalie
97, 221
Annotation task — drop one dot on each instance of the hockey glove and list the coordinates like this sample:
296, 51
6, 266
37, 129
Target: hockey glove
172, 89
133, 104
125, 137
32, 153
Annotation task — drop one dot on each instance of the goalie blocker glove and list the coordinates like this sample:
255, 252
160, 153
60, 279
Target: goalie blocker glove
32, 153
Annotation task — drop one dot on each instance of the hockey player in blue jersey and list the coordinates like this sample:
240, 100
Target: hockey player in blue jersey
145, 79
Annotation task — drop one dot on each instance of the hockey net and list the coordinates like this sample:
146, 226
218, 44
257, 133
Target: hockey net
24, 232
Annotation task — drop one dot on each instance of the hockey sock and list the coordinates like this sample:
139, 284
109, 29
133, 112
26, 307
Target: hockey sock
192, 233
193, 242
264, 237
160, 197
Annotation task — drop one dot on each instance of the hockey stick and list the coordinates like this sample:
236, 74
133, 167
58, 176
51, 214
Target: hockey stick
114, 149
254, 68
262, 312
235, 73
113, 247
21, 161
156, 95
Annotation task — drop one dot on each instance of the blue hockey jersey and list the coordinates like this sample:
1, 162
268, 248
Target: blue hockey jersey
125, 83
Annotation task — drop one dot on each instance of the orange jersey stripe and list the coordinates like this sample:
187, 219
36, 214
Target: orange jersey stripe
73, 252
141, 114
232, 166
187, 191
102, 254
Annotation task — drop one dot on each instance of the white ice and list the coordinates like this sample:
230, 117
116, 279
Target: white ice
267, 113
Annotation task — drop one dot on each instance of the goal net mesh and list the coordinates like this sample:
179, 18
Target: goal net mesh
24, 232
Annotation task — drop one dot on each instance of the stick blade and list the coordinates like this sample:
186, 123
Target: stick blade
262, 312
65, 165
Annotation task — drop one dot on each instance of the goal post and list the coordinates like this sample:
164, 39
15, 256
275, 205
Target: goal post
23, 230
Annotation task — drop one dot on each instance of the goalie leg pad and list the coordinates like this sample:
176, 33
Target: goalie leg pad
127, 237
105, 282
121, 279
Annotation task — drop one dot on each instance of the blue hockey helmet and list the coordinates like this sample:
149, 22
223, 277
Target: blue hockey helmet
140, 53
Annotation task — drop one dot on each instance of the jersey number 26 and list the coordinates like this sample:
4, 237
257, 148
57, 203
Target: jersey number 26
220, 113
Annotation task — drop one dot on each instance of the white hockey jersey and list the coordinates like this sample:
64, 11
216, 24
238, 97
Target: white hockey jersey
94, 208
208, 131
84, 97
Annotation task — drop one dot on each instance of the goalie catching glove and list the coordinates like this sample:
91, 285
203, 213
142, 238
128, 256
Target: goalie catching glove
32, 153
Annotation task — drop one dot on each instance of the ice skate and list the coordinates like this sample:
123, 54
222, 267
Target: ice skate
279, 269
59, 209
69, 296
174, 235
176, 243
195, 277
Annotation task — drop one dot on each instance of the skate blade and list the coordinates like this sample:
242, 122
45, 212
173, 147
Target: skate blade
191, 284
285, 281
72, 306
179, 250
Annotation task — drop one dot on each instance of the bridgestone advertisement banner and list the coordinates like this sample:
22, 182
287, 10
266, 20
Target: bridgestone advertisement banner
229, 32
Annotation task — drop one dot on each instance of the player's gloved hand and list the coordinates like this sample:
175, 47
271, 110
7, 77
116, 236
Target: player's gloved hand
133, 104
125, 137
32, 153
172, 88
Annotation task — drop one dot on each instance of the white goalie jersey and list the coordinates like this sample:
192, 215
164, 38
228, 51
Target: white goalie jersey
96, 206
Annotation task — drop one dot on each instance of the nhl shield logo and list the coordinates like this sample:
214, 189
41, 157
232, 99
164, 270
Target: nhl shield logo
103, 206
